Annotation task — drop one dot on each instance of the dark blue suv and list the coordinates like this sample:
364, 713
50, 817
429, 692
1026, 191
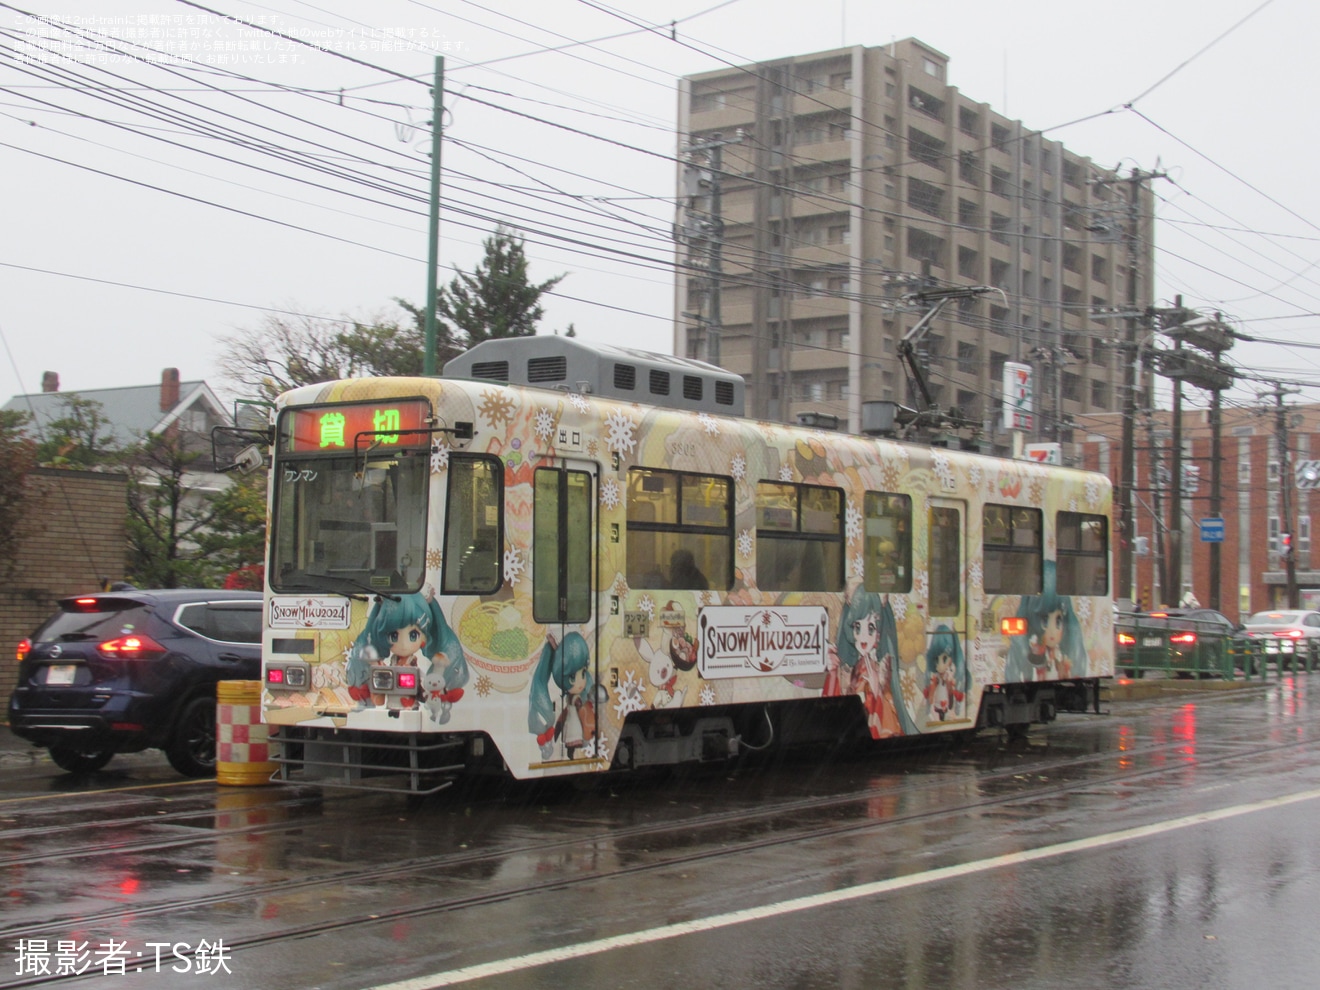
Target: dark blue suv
122, 671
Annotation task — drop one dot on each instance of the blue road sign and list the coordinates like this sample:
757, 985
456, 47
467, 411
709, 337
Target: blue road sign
1212, 530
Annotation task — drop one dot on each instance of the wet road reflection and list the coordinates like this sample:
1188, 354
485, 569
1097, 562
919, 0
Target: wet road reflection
336, 889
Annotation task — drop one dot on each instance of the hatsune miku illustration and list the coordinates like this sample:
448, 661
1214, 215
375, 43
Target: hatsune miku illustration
567, 665
947, 681
864, 662
1053, 648
409, 631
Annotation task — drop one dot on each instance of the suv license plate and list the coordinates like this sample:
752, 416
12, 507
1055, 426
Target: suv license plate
63, 673
1152, 641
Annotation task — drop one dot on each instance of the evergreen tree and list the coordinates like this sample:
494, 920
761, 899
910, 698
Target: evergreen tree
497, 299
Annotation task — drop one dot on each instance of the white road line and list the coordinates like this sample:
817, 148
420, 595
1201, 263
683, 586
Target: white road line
532, 960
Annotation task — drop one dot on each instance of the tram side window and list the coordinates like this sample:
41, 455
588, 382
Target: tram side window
1083, 545
887, 550
472, 526
799, 537
1013, 549
680, 530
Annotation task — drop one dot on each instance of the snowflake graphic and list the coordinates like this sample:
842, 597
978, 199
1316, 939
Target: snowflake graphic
707, 696
579, 401
514, 564
943, 469
744, 544
708, 423
899, 603
1083, 606
647, 605
705, 598
434, 558
1035, 491
545, 424
609, 494
739, 467
854, 524
974, 475
765, 618
621, 586
1092, 493
974, 573
785, 473
591, 448
439, 456
620, 439
920, 584
484, 685
1072, 505
496, 407
858, 565
598, 745
629, 695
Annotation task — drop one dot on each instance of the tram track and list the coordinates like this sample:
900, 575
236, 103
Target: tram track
199, 817
1038, 780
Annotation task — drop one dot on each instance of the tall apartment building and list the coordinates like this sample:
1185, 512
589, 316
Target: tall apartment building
816, 190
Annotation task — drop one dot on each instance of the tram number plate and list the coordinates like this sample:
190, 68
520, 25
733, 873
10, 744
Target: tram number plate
1152, 641
62, 673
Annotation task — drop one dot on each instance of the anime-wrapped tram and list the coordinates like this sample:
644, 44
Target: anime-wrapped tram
608, 567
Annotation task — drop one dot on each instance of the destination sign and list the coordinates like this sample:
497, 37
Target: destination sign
326, 429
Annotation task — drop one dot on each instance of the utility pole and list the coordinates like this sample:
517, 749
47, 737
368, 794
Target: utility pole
433, 234
1134, 182
703, 232
1287, 548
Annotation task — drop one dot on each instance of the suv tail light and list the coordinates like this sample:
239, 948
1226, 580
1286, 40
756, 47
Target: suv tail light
132, 647
1126, 639
24, 648
1183, 639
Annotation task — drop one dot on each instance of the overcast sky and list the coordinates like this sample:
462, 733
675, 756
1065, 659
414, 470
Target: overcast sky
154, 205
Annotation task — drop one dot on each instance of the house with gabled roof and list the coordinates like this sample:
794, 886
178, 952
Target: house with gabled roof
130, 412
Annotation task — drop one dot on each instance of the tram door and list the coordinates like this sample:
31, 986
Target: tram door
947, 682
563, 588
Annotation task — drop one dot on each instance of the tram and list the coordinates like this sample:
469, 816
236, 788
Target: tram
560, 558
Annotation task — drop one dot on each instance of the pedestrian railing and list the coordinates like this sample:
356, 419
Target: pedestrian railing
1179, 647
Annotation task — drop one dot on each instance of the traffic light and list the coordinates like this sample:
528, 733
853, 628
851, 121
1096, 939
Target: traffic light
1286, 544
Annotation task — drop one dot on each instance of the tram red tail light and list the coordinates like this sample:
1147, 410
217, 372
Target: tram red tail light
288, 676
1013, 625
132, 647
24, 648
407, 680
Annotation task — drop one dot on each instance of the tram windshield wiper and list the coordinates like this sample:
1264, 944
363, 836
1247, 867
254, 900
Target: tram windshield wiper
323, 582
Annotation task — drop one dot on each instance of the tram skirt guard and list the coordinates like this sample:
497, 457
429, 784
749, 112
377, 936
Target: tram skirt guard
242, 743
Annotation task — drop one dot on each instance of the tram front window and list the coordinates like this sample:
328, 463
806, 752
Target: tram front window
337, 529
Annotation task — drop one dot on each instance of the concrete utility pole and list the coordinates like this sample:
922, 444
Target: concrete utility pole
1134, 182
433, 234
703, 232
1286, 540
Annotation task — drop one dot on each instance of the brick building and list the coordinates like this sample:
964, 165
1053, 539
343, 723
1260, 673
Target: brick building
74, 540
1252, 573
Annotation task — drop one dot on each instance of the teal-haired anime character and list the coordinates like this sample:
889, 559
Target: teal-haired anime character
567, 665
409, 631
1053, 648
868, 665
946, 675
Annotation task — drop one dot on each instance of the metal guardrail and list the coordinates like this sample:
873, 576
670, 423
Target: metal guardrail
1211, 656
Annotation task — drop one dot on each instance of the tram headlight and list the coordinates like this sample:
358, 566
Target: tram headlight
288, 675
394, 680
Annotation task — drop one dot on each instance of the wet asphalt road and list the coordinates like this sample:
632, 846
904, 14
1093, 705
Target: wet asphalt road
1171, 843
